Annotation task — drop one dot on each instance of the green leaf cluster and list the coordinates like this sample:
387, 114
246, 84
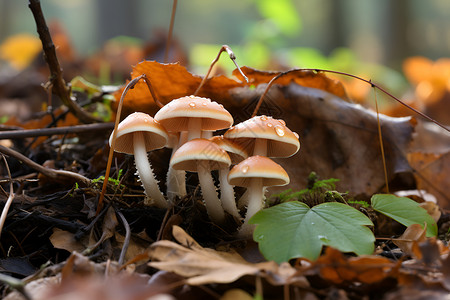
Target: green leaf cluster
293, 229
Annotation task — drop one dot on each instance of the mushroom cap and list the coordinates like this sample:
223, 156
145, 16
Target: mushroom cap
281, 141
189, 155
155, 135
258, 167
236, 152
174, 116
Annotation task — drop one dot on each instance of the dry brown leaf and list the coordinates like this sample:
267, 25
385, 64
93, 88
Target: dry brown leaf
62, 239
431, 173
432, 209
408, 241
204, 266
369, 269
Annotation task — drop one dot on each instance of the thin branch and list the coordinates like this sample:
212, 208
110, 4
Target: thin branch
129, 86
380, 137
57, 82
9, 200
126, 241
348, 75
232, 57
54, 174
152, 91
25, 133
169, 36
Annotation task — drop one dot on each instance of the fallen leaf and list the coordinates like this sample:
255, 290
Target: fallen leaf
408, 241
431, 174
204, 266
369, 269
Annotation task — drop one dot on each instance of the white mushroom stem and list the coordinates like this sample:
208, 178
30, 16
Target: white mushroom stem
145, 171
194, 128
212, 201
260, 147
207, 134
227, 194
176, 179
255, 204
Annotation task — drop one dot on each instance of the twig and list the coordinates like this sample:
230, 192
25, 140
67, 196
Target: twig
232, 57
24, 133
16, 284
129, 86
56, 79
126, 241
152, 91
348, 75
54, 174
169, 36
9, 200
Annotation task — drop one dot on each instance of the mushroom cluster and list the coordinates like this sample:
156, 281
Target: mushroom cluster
187, 125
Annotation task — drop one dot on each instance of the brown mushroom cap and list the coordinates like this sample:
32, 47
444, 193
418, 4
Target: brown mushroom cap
155, 135
281, 141
258, 167
236, 152
175, 115
188, 156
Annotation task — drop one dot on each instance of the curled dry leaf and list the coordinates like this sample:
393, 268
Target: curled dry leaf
408, 241
432, 209
204, 266
368, 269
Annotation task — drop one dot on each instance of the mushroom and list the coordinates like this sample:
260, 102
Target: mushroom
137, 134
255, 173
194, 115
266, 136
237, 154
202, 156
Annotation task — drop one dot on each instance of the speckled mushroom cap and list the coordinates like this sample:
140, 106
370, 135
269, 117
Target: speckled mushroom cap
236, 152
174, 116
189, 155
281, 141
258, 167
155, 135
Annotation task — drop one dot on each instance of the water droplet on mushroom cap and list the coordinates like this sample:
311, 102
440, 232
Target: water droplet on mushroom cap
192, 104
245, 169
279, 130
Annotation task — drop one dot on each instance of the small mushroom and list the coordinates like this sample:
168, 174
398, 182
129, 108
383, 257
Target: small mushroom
255, 173
197, 117
194, 115
203, 156
137, 134
266, 136
237, 154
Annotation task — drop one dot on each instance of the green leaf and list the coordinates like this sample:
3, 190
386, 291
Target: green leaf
404, 211
292, 230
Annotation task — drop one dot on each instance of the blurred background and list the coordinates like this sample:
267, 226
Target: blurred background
400, 44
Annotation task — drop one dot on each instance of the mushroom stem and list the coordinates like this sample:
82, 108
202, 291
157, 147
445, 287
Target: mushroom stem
260, 147
212, 201
175, 180
145, 171
194, 128
255, 204
227, 194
